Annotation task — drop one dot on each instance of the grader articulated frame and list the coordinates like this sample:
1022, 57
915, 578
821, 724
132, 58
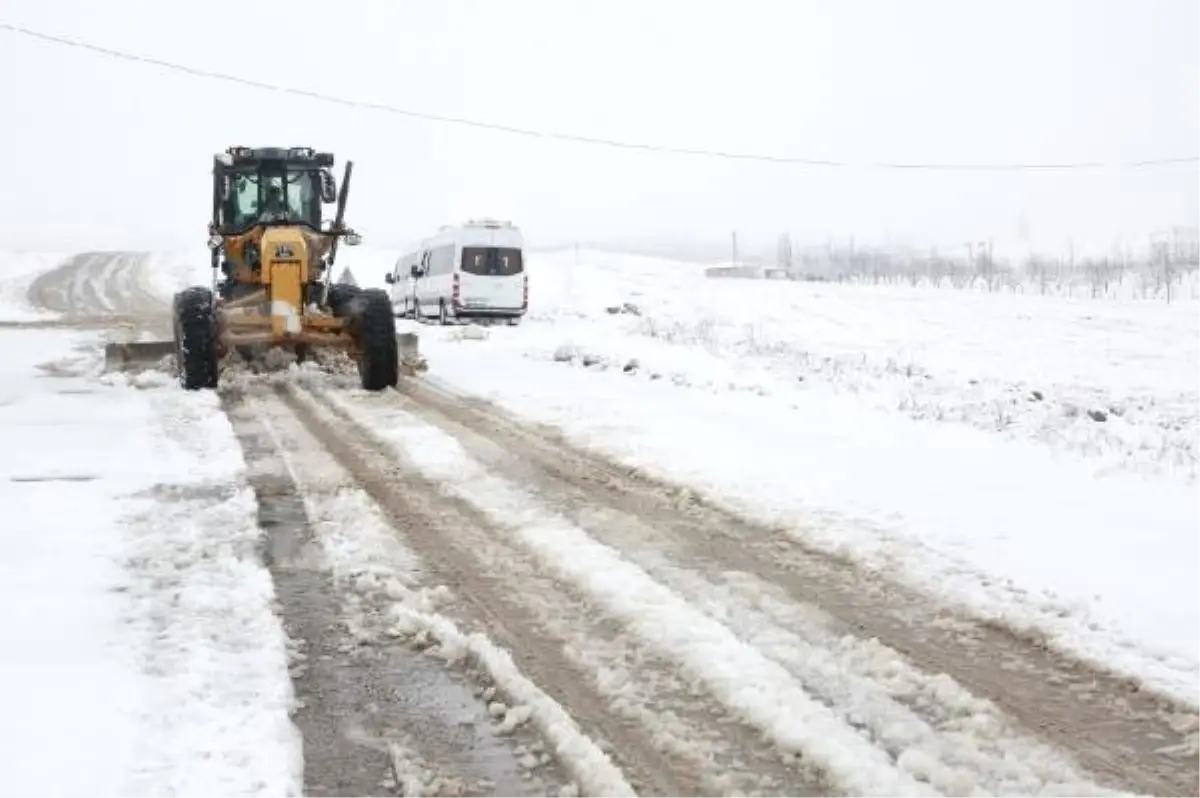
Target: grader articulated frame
272, 261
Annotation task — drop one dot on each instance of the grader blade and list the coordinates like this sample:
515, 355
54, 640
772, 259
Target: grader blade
135, 355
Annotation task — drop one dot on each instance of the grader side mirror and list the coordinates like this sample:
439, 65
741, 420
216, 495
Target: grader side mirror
353, 239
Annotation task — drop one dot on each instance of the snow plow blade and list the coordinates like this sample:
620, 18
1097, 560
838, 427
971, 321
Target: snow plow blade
411, 362
146, 354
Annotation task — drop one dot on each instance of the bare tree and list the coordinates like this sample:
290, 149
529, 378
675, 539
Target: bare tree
961, 273
913, 270
1168, 266
1093, 270
937, 269
1038, 270
986, 266
1071, 269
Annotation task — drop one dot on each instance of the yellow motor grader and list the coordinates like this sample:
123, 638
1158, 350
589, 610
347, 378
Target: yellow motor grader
272, 261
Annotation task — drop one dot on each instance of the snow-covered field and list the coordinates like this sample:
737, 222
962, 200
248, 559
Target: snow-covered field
954, 438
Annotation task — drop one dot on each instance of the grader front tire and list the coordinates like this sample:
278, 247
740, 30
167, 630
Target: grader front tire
196, 339
379, 357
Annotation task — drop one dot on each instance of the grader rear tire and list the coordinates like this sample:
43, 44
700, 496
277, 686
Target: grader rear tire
379, 358
196, 339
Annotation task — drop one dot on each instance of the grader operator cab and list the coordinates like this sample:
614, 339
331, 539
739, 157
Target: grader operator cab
272, 259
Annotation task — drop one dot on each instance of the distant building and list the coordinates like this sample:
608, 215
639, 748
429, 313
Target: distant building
742, 270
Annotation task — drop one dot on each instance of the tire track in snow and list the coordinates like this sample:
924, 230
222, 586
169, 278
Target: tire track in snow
363, 694
699, 741
928, 724
754, 689
80, 286
434, 526
326, 677
1126, 737
92, 284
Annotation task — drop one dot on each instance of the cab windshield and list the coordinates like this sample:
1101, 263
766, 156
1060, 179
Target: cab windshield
291, 196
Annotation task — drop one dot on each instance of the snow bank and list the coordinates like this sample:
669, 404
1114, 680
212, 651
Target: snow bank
140, 641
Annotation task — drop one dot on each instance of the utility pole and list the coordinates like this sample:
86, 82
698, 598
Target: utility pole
735, 254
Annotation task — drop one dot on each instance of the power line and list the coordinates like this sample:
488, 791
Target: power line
582, 139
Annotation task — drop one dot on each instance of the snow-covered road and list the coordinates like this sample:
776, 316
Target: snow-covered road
462, 600
141, 654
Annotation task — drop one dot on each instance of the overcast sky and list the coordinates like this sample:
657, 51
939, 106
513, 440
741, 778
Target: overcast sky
107, 153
